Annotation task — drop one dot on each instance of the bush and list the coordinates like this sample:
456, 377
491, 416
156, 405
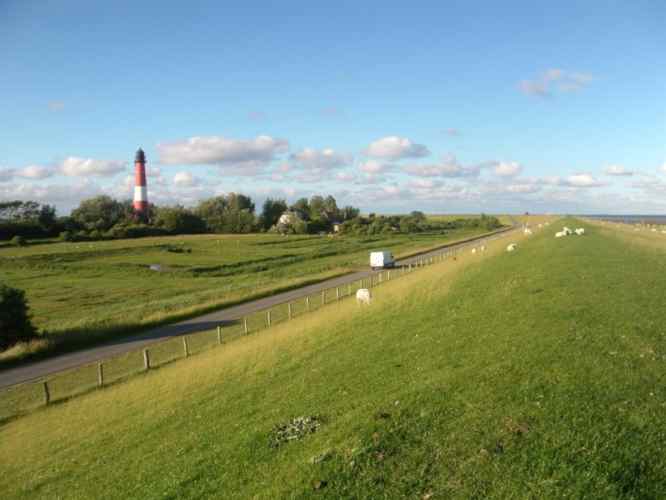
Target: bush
15, 325
18, 241
66, 236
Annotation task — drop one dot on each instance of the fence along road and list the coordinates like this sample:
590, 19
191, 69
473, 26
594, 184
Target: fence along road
208, 321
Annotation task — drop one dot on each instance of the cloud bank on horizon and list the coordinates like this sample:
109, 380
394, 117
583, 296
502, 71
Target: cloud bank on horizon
390, 172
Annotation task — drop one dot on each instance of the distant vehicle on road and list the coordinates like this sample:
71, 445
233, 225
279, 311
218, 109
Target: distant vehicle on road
381, 260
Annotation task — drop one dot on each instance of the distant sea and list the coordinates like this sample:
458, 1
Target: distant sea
632, 219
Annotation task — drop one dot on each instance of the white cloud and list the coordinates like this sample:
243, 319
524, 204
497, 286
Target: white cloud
344, 176
507, 169
523, 188
56, 106
375, 167
662, 169
325, 159
218, 150
74, 166
555, 79
618, 170
34, 172
448, 167
583, 180
395, 148
6, 174
185, 179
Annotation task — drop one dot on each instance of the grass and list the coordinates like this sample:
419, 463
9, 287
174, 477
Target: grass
535, 374
113, 291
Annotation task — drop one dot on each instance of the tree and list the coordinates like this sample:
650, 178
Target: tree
418, 216
302, 205
349, 212
179, 220
101, 213
47, 217
15, 324
271, 212
316, 207
233, 213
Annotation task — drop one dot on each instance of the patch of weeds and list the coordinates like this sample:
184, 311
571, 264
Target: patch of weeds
176, 249
296, 428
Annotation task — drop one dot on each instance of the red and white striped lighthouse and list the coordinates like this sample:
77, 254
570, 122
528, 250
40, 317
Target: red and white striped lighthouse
140, 186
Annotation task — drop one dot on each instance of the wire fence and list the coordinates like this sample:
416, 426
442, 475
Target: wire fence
23, 398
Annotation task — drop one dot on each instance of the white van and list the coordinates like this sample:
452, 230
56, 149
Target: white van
381, 260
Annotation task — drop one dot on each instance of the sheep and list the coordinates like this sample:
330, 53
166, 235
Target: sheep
527, 231
559, 234
580, 231
483, 247
511, 247
363, 296
474, 250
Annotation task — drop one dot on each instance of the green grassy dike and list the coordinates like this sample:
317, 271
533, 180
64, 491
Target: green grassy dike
535, 374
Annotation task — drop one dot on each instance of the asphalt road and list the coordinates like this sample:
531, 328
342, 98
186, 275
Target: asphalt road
208, 321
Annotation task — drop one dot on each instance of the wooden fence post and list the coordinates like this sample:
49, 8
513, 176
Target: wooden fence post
219, 334
388, 276
268, 318
307, 303
349, 289
289, 310
47, 394
245, 325
146, 360
337, 293
100, 375
323, 297
185, 346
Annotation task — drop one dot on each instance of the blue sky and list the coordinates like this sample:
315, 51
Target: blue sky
439, 106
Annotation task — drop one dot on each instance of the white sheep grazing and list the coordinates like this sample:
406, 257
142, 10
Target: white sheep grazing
483, 247
511, 247
474, 250
527, 231
567, 231
580, 231
363, 296
540, 226
560, 234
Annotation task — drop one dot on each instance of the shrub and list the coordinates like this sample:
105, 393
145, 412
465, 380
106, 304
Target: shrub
18, 241
15, 325
66, 236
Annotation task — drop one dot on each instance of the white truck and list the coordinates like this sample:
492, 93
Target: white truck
381, 260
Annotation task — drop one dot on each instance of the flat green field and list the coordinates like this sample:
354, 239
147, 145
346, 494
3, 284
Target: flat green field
87, 290
533, 374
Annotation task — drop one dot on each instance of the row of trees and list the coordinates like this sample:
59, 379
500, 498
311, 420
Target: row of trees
415, 222
104, 217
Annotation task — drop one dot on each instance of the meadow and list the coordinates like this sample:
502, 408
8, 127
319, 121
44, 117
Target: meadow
535, 374
80, 293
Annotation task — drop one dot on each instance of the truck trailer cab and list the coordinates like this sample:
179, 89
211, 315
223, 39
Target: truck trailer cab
381, 260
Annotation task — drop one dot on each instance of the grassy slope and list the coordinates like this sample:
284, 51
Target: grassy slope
535, 374
112, 290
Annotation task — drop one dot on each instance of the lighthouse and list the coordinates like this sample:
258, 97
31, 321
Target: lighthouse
140, 187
